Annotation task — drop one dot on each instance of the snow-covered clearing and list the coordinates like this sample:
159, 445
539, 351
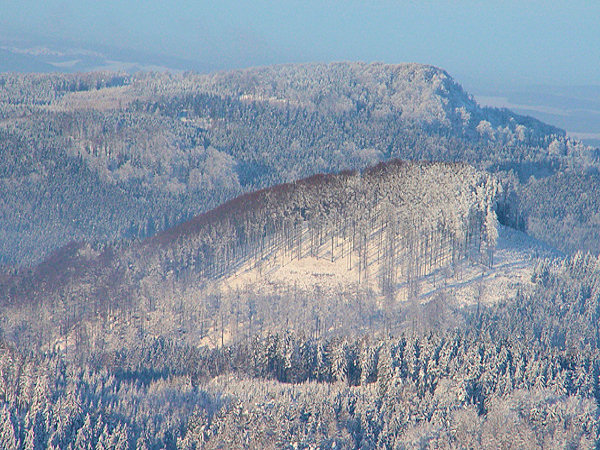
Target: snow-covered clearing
468, 282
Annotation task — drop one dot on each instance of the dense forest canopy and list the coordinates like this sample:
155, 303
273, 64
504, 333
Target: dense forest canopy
494, 381
249, 259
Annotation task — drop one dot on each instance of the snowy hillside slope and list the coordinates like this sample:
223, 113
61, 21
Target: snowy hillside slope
329, 252
466, 283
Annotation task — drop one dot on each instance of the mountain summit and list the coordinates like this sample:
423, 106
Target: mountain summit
418, 93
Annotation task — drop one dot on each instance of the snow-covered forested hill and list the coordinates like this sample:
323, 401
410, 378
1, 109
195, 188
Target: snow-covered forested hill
225, 285
366, 309
341, 253
391, 226
102, 157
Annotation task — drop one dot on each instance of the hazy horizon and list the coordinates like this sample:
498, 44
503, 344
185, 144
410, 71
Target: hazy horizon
525, 56
506, 44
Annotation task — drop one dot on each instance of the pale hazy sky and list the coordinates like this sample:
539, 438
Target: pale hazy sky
486, 42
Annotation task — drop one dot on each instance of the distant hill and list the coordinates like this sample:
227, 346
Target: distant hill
32, 55
15, 62
420, 93
108, 156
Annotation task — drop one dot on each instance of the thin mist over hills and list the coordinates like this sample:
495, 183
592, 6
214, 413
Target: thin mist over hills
573, 108
26, 55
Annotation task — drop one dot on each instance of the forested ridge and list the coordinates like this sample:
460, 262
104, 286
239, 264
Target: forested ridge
134, 348
106, 156
452, 217
382, 223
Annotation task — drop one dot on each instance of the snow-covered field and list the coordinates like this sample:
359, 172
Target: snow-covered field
468, 283
514, 260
